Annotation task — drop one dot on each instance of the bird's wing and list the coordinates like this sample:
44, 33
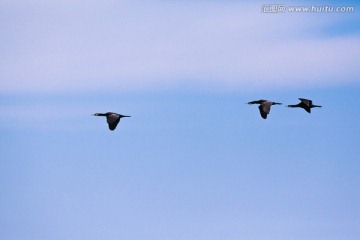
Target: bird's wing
113, 121
306, 107
307, 102
266, 107
264, 110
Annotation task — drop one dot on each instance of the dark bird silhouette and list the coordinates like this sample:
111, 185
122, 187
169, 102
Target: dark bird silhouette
112, 119
305, 104
264, 106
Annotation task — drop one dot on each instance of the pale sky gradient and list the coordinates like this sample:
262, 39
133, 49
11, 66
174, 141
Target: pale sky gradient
87, 45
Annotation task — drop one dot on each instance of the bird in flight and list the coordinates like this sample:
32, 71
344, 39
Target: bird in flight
264, 106
305, 104
112, 118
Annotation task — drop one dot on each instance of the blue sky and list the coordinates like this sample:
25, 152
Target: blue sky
194, 161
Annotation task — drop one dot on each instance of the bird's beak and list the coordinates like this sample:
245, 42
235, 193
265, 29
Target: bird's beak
125, 116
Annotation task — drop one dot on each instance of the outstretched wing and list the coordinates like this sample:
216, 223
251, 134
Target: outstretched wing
113, 120
306, 104
265, 109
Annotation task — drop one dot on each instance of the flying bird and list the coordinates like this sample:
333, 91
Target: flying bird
112, 118
264, 106
305, 104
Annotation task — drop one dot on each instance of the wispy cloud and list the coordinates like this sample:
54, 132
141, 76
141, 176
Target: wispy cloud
129, 45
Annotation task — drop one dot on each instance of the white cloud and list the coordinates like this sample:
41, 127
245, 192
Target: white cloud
78, 46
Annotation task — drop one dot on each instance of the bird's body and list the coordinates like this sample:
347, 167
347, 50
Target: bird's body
112, 119
264, 106
305, 104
